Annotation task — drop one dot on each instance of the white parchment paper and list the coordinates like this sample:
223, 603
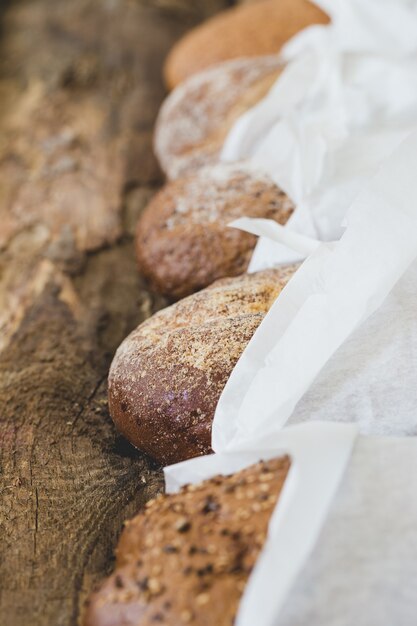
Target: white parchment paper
336, 289
363, 569
346, 100
372, 378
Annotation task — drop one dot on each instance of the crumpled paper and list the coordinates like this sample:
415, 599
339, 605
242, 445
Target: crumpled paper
346, 100
336, 289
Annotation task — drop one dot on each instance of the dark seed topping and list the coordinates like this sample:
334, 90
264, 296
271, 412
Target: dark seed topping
183, 525
143, 584
118, 582
205, 571
211, 506
169, 549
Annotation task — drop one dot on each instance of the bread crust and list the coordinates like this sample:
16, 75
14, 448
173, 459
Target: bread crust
195, 119
167, 376
183, 242
186, 559
250, 30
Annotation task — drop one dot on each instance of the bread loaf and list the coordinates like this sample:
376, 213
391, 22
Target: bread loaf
186, 559
167, 376
250, 30
195, 119
182, 240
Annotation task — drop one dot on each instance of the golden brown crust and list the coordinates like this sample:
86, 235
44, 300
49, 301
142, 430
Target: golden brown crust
250, 30
186, 559
196, 118
183, 242
167, 376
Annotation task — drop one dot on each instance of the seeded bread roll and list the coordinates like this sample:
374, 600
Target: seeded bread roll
167, 376
195, 119
186, 559
182, 240
250, 30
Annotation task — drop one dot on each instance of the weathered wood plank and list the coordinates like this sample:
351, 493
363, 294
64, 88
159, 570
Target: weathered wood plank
79, 89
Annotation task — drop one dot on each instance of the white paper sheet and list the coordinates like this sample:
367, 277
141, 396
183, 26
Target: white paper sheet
372, 378
363, 569
335, 290
346, 100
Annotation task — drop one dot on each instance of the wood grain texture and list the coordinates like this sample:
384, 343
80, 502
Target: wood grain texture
80, 85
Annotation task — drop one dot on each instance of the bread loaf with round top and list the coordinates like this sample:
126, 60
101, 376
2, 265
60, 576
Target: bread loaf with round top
255, 29
185, 560
167, 376
183, 242
195, 119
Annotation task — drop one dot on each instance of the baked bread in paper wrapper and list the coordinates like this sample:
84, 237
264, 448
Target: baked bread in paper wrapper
308, 353
333, 364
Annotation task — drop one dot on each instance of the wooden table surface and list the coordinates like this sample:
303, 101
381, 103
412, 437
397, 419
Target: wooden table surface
80, 85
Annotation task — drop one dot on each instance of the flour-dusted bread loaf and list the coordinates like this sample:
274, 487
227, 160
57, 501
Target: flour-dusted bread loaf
183, 242
167, 376
251, 30
186, 559
195, 119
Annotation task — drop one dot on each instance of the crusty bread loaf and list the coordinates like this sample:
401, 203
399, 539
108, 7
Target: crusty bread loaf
182, 240
250, 30
167, 376
195, 119
186, 559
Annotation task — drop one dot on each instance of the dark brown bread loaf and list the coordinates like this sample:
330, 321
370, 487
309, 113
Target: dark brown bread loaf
182, 240
196, 118
186, 559
167, 376
250, 30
